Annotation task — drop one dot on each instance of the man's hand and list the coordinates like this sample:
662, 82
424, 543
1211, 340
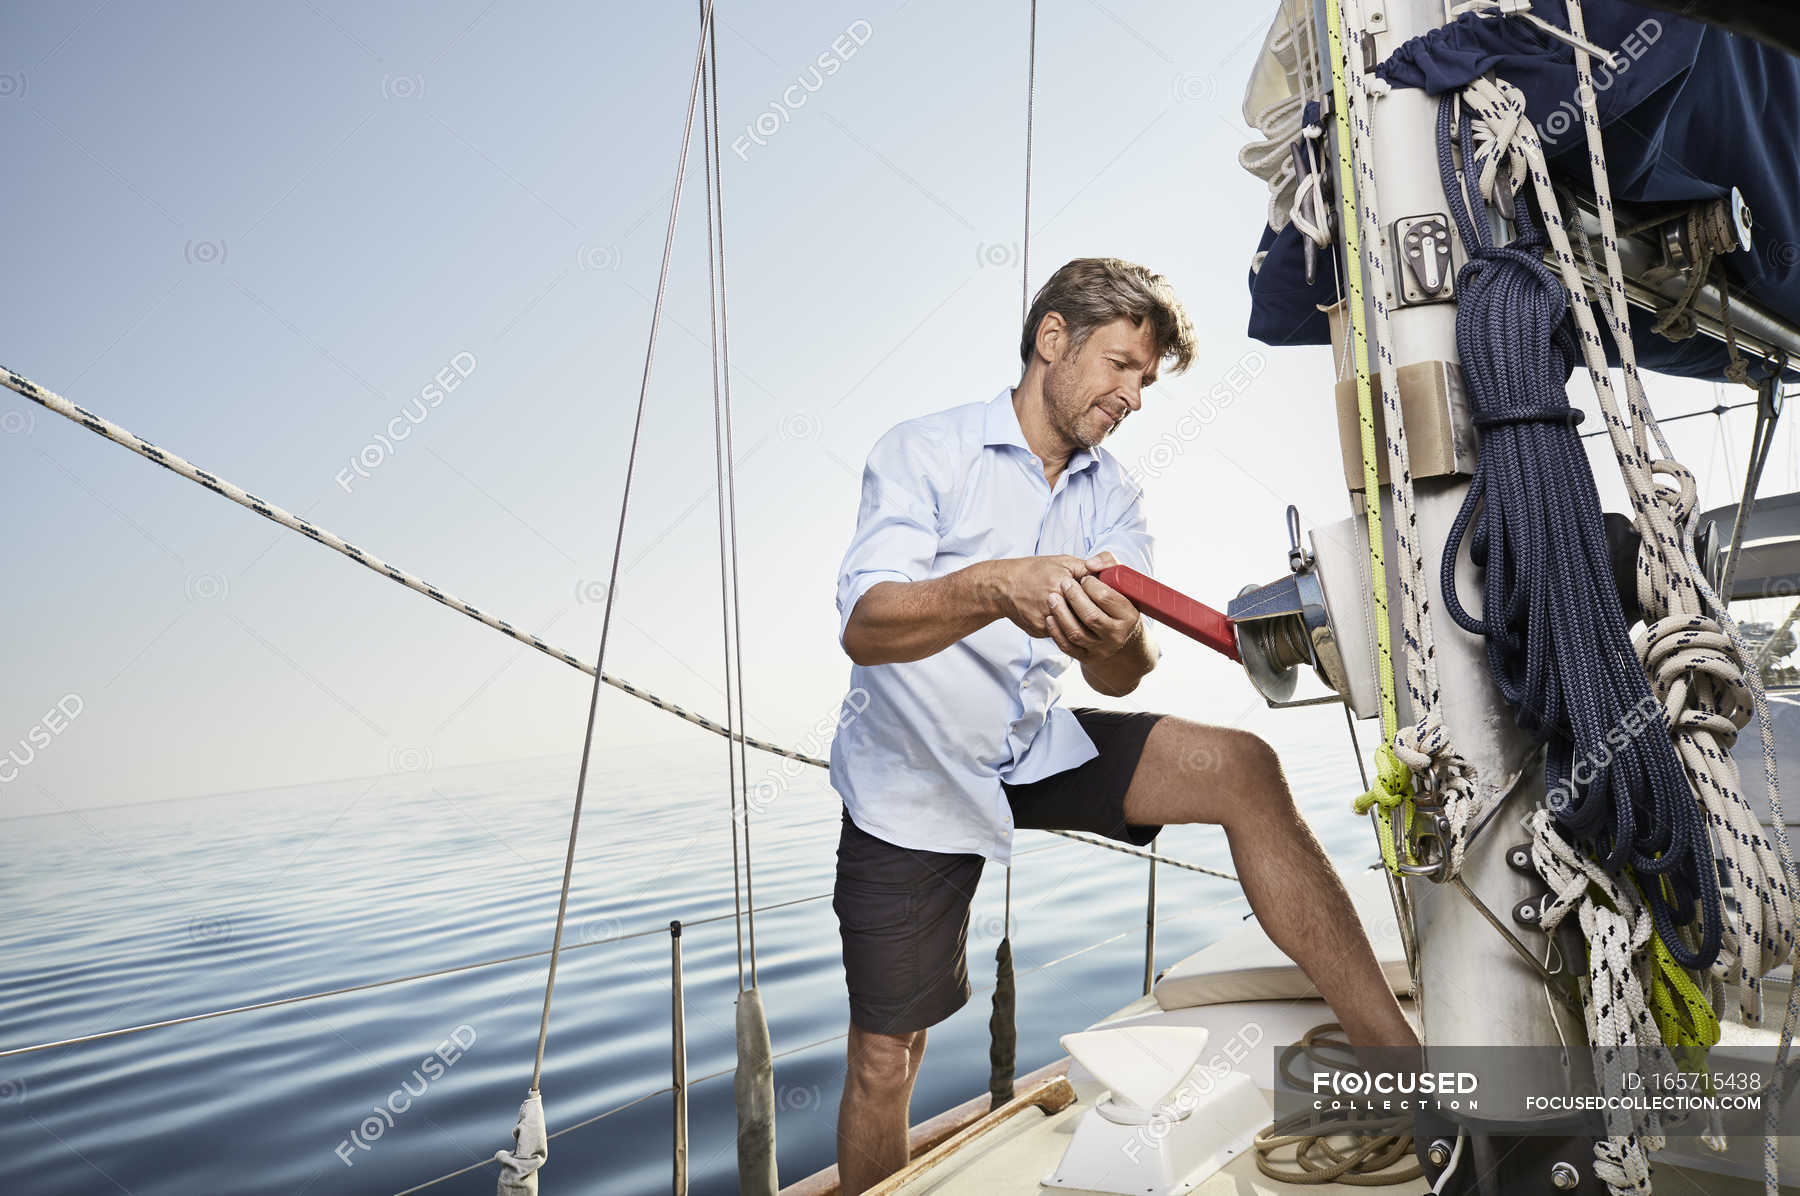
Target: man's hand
1025, 586
1099, 627
1089, 619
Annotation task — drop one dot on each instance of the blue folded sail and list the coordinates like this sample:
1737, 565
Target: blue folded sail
1687, 113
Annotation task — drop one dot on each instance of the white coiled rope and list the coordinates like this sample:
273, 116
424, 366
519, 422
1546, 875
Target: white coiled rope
1613, 1006
1786, 879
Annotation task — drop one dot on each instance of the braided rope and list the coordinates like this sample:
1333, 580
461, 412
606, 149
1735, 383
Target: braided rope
1558, 645
1779, 868
268, 510
1789, 879
1425, 745
1671, 582
1615, 1010
1767, 652
1694, 661
1396, 791
1142, 854
1375, 1144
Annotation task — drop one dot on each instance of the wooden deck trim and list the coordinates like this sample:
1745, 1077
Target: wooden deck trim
928, 1135
1051, 1097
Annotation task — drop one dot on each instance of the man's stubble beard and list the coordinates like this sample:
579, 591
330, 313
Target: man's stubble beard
1065, 408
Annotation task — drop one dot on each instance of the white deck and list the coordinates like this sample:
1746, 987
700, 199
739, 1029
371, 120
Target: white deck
1013, 1158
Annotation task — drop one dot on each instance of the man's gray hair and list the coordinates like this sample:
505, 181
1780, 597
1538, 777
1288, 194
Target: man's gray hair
1091, 291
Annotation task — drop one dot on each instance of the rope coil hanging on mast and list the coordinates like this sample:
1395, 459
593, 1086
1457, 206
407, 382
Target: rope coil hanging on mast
1703, 695
1787, 882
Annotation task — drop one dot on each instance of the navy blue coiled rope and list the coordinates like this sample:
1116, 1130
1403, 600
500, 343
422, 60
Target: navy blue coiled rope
1558, 646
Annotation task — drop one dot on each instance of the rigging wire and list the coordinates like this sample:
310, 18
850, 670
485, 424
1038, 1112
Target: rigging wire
1666, 420
737, 617
1025, 270
1724, 439
1003, 1025
1762, 439
1030, 110
587, 744
715, 245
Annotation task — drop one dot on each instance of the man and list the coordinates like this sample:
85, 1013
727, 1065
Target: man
967, 590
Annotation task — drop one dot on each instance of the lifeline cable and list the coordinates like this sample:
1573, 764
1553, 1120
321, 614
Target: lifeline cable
51, 401
453, 969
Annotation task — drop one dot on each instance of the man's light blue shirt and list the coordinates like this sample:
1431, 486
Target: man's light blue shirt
923, 746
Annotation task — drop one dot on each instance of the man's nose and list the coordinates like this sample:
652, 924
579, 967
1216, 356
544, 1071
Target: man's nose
1133, 396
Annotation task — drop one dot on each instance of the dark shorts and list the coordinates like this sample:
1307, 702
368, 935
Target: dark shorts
903, 913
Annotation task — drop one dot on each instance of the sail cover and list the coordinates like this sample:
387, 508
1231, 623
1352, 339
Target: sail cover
1687, 113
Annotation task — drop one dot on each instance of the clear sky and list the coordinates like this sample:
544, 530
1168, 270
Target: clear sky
254, 234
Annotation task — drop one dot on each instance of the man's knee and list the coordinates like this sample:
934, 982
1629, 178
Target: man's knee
1227, 759
880, 1063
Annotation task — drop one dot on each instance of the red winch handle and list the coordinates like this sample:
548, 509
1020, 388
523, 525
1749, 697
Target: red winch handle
1174, 609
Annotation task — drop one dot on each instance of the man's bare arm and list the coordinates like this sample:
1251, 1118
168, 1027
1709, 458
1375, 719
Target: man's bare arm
898, 621
1119, 674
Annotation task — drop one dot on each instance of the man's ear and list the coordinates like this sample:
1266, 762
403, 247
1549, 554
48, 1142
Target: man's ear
1052, 336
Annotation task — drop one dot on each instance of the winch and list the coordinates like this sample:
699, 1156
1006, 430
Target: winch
1288, 624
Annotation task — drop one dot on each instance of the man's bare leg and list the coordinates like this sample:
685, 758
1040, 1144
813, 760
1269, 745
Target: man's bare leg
873, 1119
915, 1056
1194, 773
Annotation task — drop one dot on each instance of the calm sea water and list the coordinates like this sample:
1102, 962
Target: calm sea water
136, 914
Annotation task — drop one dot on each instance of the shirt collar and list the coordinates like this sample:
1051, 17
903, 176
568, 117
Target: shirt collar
1001, 426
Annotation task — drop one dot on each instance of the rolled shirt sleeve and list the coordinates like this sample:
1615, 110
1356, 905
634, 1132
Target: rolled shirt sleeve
897, 524
1127, 534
